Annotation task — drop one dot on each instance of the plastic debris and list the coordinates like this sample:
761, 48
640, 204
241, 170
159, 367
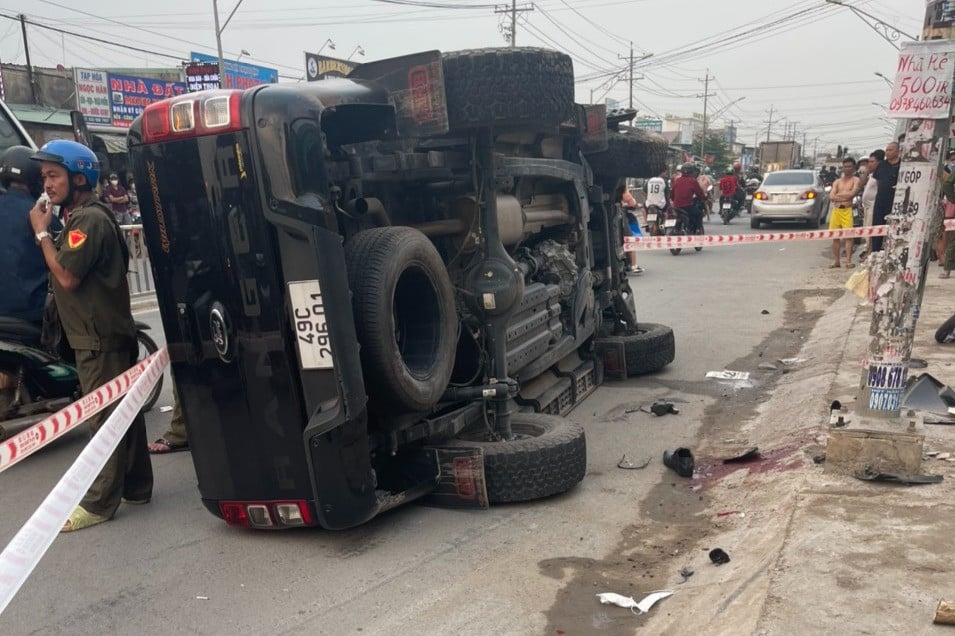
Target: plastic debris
791, 361
766, 366
943, 455
626, 464
719, 556
686, 573
897, 478
748, 455
648, 601
765, 312
727, 513
202, 598
165, 409
727, 374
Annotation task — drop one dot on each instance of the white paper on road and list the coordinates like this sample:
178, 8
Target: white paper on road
726, 374
612, 598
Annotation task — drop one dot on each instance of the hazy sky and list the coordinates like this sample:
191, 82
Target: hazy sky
813, 62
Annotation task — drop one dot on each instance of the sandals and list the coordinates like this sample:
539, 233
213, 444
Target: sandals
163, 446
835, 266
944, 274
81, 518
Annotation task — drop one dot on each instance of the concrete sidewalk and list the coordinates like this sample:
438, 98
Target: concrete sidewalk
815, 553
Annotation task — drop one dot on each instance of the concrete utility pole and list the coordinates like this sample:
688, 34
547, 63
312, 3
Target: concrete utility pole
219, 30
26, 49
769, 124
513, 10
706, 95
632, 77
898, 276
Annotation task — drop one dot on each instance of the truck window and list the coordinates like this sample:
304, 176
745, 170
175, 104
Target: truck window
307, 157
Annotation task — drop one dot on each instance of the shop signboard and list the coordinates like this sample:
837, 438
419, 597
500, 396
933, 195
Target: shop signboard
239, 74
129, 95
92, 95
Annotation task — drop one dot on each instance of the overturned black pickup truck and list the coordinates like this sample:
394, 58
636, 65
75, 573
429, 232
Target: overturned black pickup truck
392, 285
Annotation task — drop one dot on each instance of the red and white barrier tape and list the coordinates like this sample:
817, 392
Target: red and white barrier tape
66, 419
640, 243
29, 545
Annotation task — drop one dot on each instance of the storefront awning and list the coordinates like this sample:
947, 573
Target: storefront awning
115, 144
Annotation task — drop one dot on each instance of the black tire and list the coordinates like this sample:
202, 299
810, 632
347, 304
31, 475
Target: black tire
548, 457
699, 233
648, 349
754, 222
634, 153
405, 316
672, 231
813, 223
147, 346
947, 329
503, 86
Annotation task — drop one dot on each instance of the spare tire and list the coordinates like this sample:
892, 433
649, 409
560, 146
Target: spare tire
635, 153
405, 316
547, 456
508, 85
649, 348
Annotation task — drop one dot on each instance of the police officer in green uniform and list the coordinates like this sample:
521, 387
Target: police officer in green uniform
88, 267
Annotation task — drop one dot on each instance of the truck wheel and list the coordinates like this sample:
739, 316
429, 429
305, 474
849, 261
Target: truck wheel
405, 316
648, 349
508, 85
547, 456
634, 153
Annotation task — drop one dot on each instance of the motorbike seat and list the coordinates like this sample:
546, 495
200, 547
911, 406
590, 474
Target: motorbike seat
20, 330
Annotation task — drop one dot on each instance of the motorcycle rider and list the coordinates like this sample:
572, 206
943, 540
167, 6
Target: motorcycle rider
729, 188
688, 198
740, 195
658, 196
23, 275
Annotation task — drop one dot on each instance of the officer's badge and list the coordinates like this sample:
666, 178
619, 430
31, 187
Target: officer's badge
75, 238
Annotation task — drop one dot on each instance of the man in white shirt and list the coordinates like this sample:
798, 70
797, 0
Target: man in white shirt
657, 191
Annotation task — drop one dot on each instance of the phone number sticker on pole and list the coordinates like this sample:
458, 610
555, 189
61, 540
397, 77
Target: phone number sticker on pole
923, 80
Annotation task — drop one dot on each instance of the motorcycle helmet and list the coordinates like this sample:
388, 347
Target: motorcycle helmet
729, 170
16, 165
737, 167
75, 157
686, 168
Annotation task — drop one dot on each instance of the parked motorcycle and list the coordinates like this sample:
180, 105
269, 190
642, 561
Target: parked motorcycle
945, 334
41, 382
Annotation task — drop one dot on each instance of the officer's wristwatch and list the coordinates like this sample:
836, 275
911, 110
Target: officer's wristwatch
40, 236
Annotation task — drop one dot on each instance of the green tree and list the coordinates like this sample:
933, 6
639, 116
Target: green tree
715, 145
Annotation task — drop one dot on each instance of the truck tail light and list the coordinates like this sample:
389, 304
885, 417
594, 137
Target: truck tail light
194, 115
266, 515
805, 196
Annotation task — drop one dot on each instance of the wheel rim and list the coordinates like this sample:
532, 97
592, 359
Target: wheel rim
417, 321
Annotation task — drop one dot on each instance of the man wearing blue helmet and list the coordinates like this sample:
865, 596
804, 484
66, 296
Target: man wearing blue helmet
88, 265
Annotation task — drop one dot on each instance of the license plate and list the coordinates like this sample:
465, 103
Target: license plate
669, 223
727, 206
308, 320
651, 218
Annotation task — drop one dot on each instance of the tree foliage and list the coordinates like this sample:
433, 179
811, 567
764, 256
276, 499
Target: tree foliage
715, 145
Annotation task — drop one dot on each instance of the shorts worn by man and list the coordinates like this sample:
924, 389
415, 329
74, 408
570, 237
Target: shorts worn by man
843, 192
88, 271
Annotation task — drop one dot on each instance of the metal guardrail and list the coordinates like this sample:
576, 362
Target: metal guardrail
140, 274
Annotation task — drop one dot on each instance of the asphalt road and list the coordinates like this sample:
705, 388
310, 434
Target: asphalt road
172, 568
